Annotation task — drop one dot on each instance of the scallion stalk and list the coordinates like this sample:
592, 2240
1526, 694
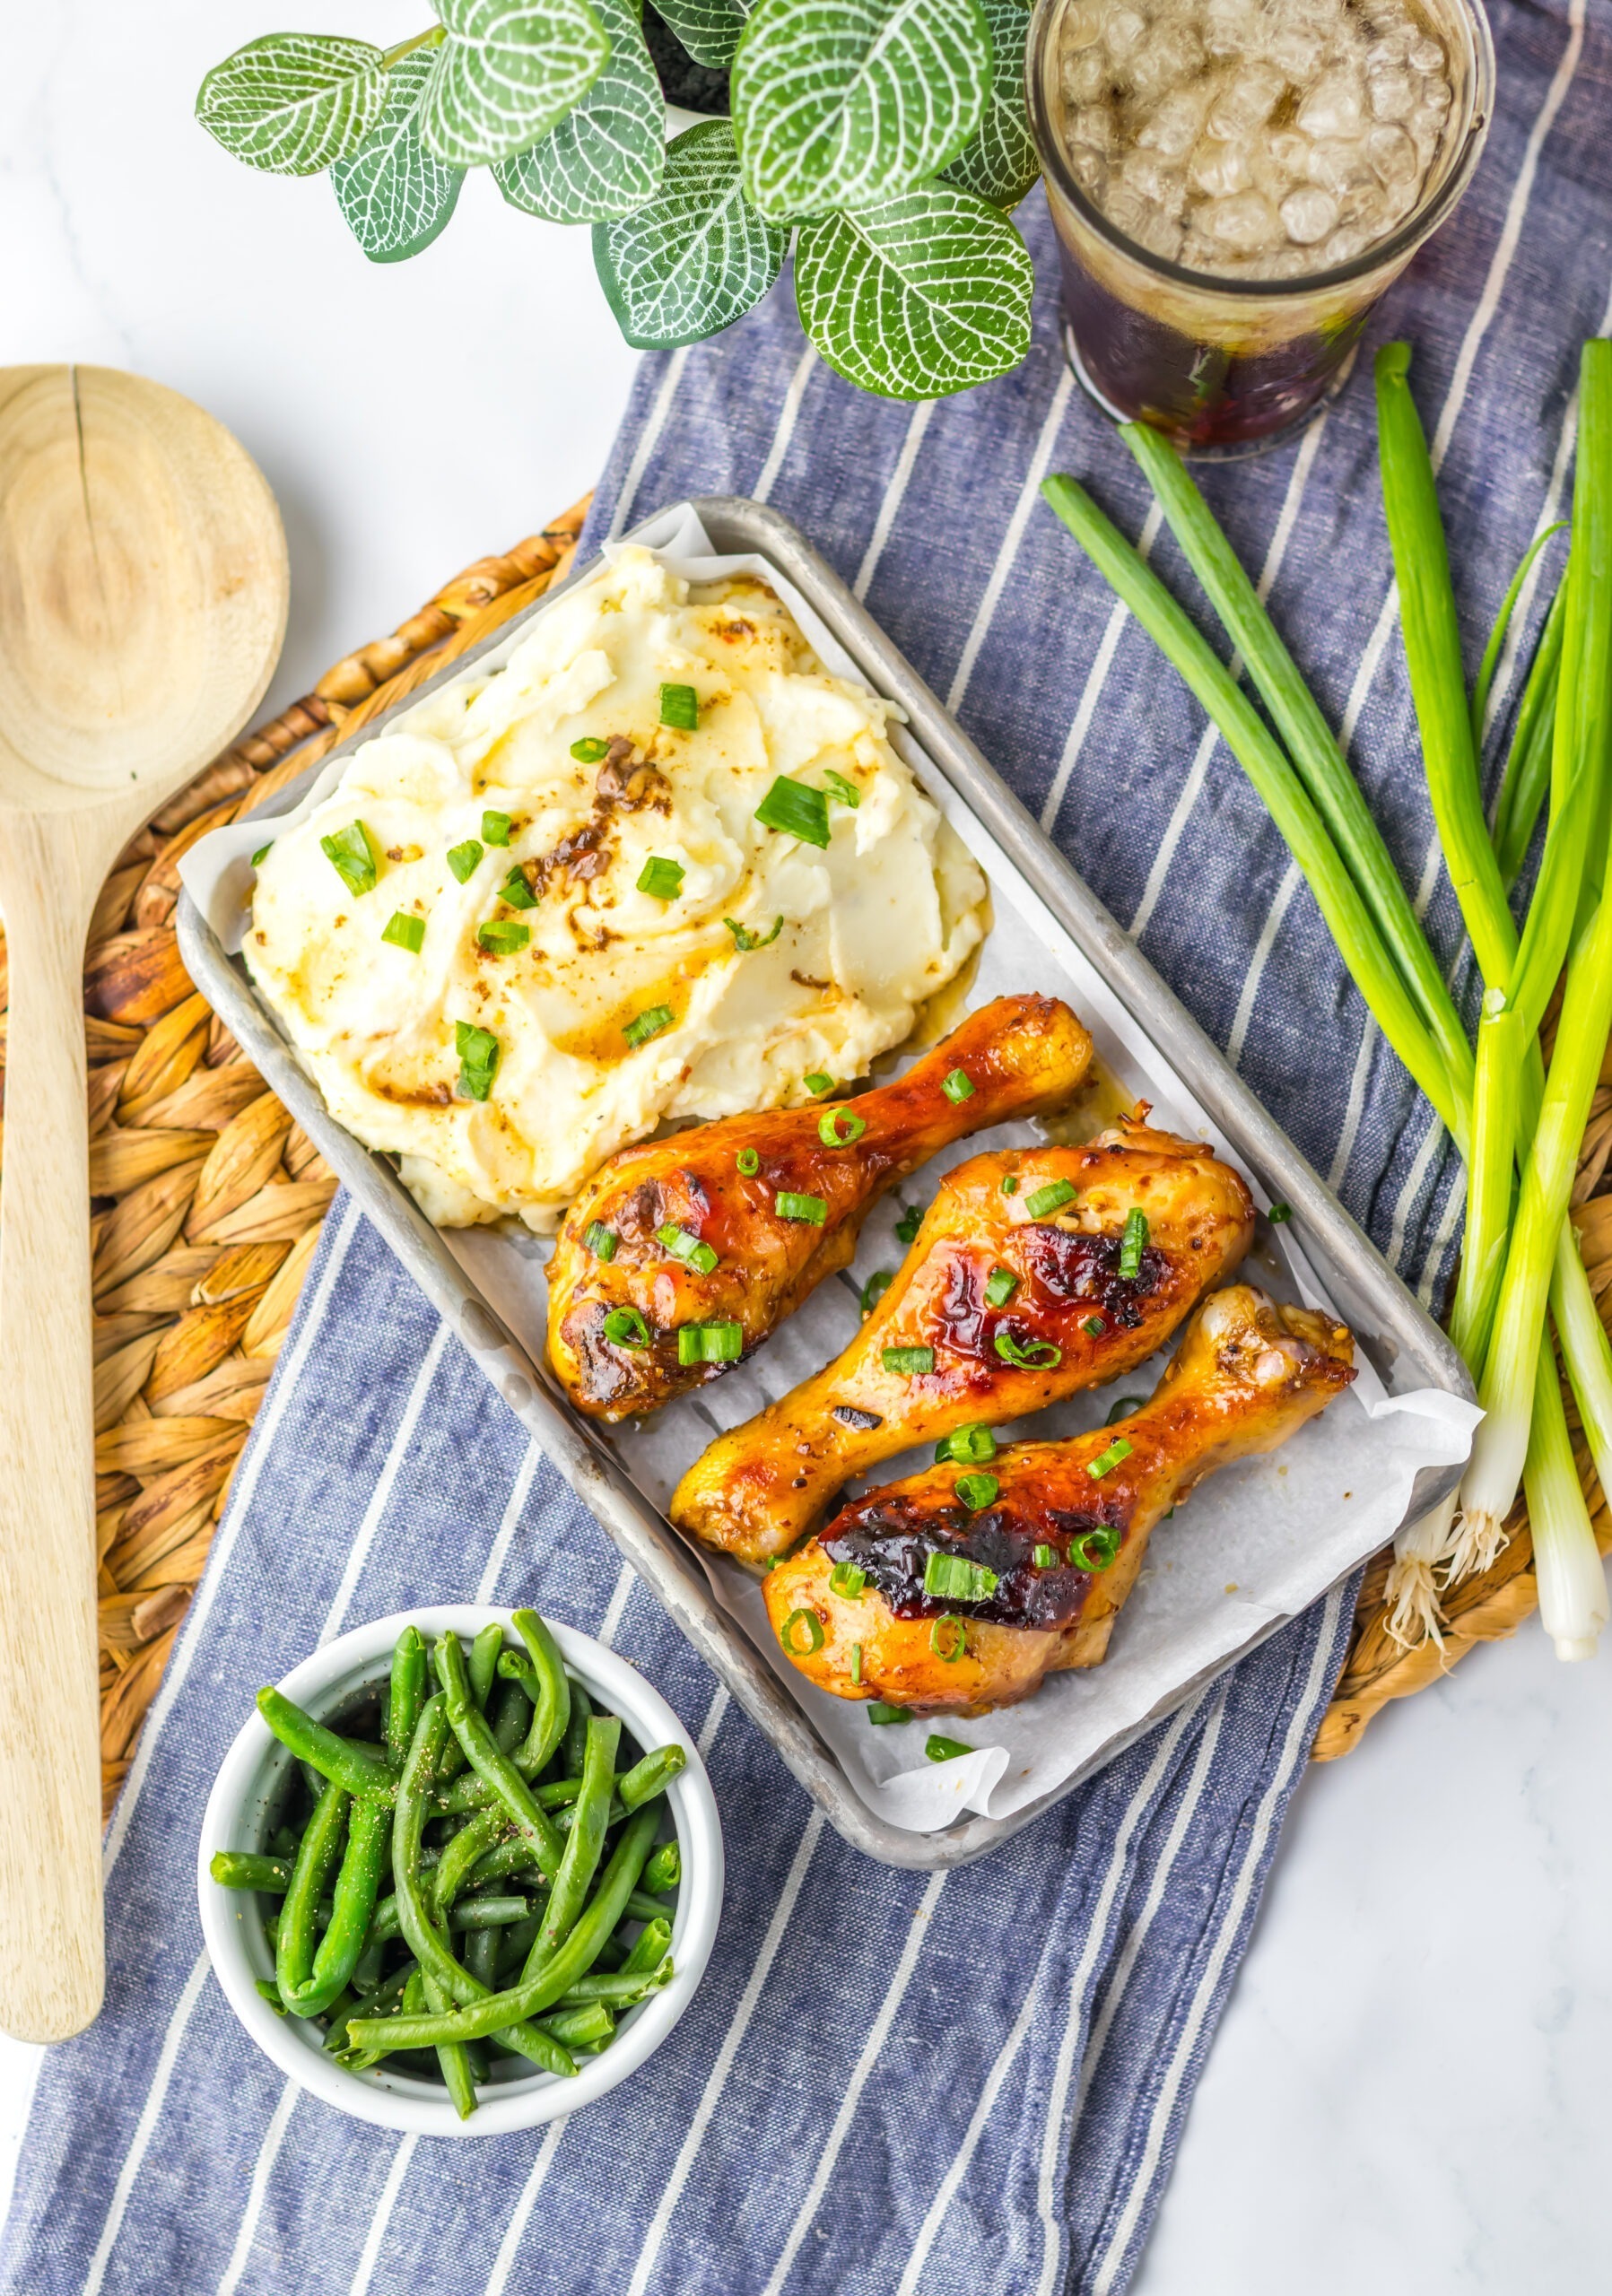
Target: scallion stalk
1348, 919
1527, 775
1567, 1564
1489, 1184
1503, 623
1586, 1351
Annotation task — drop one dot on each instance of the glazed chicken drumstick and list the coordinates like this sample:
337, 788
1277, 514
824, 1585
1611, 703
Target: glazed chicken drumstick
959, 1588
680, 1257
1036, 1272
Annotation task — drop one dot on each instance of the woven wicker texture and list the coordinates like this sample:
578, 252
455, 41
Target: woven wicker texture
208, 1201
207, 1198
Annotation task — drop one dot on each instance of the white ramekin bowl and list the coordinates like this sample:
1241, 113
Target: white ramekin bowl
237, 1817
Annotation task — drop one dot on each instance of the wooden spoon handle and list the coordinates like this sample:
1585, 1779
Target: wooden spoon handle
51, 1957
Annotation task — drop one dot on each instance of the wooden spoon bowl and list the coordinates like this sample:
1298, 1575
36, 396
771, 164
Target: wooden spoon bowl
142, 600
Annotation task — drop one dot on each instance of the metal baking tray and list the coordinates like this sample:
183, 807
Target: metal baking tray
1405, 1345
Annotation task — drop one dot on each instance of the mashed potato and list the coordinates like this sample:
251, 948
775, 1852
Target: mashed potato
585, 1007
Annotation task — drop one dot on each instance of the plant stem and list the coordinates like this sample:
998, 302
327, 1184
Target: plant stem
1527, 775
433, 37
1503, 623
1489, 1185
1567, 1564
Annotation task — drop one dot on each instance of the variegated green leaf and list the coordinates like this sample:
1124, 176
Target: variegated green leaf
698, 257
843, 103
919, 297
709, 28
295, 101
999, 161
507, 72
395, 194
607, 155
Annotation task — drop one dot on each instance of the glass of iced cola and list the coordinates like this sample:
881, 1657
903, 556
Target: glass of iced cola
1235, 183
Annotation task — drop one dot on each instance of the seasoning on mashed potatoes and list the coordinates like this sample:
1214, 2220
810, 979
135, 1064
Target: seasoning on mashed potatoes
616, 1007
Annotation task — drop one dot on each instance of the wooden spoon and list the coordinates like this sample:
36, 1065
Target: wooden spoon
142, 597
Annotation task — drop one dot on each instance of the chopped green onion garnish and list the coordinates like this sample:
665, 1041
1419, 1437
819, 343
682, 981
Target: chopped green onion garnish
948, 1649
1123, 1409
838, 1127
747, 940
1094, 1550
1095, 1326
818, 1082
405, 932
262, 854
875, 1289
789, 1205
795, 811
352, 854
1279, 1212
910, 1222
516, 891
813, 1633
502, 938
679, 707
496, 828
1132, 1244
1044, 1557
464, 859
855, 1662
718, 1342
969, 1447
1010, 1185
909, 1362
1000, 1285
600, 1241
686, 1247
842, 792
957, 1087
848, 1578
956, 1580
661, 879
1043, 1200
939, 1749
748, 1162
1107, 1461
478, 1050
625, 1327
878, 1712
1030, 1355
652, 1023
589, 750
976, 1491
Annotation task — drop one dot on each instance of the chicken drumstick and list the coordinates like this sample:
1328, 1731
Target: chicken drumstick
938, 1592
1036, 1272
680, 1257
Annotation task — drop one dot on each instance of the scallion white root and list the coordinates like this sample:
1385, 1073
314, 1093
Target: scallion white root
1410, 1590
1567, 1564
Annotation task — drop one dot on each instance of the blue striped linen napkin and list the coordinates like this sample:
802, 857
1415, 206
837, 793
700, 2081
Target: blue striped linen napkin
887, 2083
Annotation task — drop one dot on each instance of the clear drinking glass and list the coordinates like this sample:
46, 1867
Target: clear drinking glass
1226, 365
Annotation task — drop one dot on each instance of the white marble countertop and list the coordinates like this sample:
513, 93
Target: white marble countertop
1408, 2094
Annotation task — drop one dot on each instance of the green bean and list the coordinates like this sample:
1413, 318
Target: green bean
386, 2002
453, 2056
651, 1775
242, 1869
350, 1916
367, 1968
480, 1954
484, 1662
339, 2011
469, 1915
654, 1943
664, 1870
294, 1937
406, 1693
576, 1730
501, 1864
465, 1796
416, 1915
588, 2027
270, 1991
509, 1711
470, 1843
640, 1907
495, 1769
351, 1763
553, 1702
515, 1942
584, 1843
502, 2012
621, 1988
453, 1754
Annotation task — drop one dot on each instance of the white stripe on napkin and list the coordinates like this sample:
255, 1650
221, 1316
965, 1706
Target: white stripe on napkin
1102, 662
788, 415
648, 439
156, 2096
269, 2153
223, 1544
509, 2248
526, 1474
895, 495
382, 2217
1029, 495
358, 1553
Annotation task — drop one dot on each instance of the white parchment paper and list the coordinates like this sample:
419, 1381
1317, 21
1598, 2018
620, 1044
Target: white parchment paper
1252, 1547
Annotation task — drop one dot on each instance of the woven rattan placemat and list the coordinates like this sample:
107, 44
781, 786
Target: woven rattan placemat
207, 1200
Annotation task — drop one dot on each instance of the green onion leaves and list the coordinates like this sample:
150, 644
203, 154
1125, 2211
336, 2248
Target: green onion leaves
957, 1086
878, 1713
818, 1081
810, 1209
502, 939
802, 1621
746, 940
680, 708
600, 1241
976, 1490
956, 1580
910, 1222
515, 892
496, 828
948, 1637
848, 1578
479, 1053
1094, 1550
908, 1362
938, 1748
1044, 1557
1042, 1202
589, 750
405, 932
464, 859
793, 810
661, 879
842, 792
875, 1289
352, 854
686, 1247
645, 1025
1027, 1355
714, 1343
625, 1327
1106, 1461
1000, 1285
969, 1446
748, 1162
1132, 1244
838, 1127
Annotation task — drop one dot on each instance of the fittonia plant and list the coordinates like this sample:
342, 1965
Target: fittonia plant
889, 135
